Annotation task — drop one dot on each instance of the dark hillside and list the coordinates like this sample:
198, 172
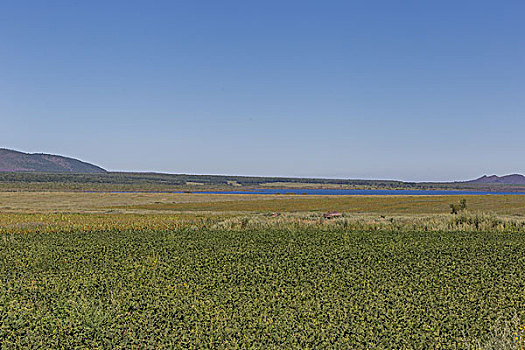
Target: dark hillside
14, 161
514, 179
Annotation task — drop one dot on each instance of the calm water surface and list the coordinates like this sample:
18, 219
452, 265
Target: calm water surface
359, 192
336, 192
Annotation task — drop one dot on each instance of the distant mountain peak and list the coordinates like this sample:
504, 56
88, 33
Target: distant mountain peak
11, 160
512, 179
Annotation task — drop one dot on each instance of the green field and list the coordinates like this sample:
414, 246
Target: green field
258, 289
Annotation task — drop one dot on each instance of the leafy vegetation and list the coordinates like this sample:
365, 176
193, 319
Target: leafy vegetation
193, 287
456, 208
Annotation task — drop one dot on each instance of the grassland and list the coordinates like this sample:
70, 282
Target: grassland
157, 270
80, 202
509, 205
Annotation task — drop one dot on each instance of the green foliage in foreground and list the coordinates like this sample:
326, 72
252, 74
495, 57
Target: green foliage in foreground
258, 288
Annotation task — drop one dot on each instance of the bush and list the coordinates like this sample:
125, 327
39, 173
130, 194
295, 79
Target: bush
456, 208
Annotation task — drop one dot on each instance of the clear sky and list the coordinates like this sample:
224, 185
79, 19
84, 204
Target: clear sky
411, 90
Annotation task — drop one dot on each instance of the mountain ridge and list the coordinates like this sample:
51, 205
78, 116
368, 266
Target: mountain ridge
512, 179
16, 161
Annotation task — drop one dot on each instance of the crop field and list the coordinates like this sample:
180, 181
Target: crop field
142, 270
258, 288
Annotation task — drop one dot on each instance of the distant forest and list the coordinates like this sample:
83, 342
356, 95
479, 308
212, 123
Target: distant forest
123, 181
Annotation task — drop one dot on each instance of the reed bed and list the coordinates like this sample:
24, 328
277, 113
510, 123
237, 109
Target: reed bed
73, 222
464, 222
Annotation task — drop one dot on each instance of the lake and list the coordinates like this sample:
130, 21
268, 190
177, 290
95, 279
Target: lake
339, 192
335, 192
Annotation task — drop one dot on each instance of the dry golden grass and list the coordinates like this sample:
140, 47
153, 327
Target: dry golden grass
69, 211
508, 205
82, 222
100, 202
167, 202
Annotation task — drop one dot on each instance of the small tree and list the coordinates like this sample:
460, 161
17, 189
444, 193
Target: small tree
456, 208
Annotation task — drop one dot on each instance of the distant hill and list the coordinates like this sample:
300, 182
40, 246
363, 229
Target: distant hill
514, 179
39, 162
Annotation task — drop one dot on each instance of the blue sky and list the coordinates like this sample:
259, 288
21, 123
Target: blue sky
411, 90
